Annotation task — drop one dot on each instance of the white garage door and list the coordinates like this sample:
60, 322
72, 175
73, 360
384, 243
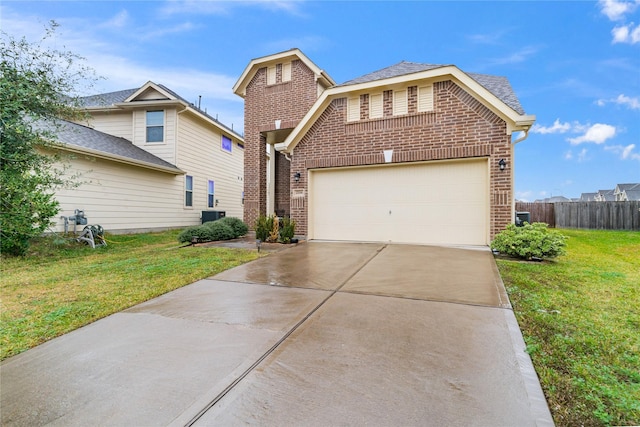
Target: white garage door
428, 203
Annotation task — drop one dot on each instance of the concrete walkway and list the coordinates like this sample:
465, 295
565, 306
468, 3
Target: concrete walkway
318, 334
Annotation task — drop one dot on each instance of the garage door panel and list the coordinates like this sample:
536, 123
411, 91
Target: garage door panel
432, 203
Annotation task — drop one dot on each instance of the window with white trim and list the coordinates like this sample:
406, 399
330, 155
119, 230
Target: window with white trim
400, 103
353, 109
155, 126
375, 106
210, 194
188, 190
271, 75
425, 98
286, 72
227, 144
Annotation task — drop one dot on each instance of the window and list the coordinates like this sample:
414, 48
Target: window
226, 143
286, 72
155, 126
425, 98
400, 105
188, 191
353, 109
375, 106
210, 193
271, 75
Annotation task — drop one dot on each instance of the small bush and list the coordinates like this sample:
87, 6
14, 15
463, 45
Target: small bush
219, 230
264, 225
239, 228
530, 241
201, 233
288, 230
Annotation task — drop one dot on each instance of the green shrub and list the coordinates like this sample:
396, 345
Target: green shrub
288, 230
530, 241
219, 230
200, 232
239, 228
264, 225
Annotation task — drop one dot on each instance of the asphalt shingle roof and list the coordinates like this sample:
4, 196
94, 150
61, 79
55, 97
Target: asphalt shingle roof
497, 85
84, 137
111, 98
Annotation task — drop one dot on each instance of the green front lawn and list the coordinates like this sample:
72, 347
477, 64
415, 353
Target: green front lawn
59, 288
580, 316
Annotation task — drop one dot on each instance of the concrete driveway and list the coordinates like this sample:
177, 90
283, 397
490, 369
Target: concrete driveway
318, 334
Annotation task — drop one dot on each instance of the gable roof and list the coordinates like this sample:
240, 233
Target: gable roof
133, 98
632, 194
492, 91
82, 139
497, 85
622, 187
240, 88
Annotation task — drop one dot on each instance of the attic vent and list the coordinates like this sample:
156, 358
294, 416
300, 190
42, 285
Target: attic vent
425, 98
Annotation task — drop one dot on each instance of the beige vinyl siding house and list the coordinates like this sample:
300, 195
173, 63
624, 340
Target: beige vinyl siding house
132, 182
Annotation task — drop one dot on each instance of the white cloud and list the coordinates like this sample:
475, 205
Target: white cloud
557, 127
582, 156
625, 152
568, 155
597, 133
118, 21
213, 7
627, 101
615, 10
626, 34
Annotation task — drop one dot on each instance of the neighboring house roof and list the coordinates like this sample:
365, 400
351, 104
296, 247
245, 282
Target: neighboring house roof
497, 85
240, 88
621, 187
606, 196
631, 195
78, 138
127, 97
588, 197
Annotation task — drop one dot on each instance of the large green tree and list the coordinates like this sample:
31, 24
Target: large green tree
38, 87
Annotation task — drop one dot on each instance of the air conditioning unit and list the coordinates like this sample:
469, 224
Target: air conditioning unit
208, 216
522, 217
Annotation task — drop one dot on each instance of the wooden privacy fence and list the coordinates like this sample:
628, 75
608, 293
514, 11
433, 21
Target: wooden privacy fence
591, 215
539, 212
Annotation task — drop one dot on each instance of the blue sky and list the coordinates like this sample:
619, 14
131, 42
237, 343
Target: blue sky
573, 64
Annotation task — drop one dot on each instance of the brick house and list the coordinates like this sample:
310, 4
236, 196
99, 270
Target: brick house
412, 153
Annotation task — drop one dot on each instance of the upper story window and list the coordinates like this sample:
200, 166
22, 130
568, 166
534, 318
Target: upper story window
400, 104
155, 126
375, 106
353, 109
425, 98
226, 143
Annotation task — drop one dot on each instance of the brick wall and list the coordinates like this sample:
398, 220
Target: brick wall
285, 101
460, 127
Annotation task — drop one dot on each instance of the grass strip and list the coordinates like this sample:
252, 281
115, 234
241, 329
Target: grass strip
580, 316
61, 286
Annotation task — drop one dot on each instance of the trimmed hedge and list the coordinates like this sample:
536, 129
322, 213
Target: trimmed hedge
531, 241
223, 229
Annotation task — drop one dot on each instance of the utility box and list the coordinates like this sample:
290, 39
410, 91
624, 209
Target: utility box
208, 216
522, 217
